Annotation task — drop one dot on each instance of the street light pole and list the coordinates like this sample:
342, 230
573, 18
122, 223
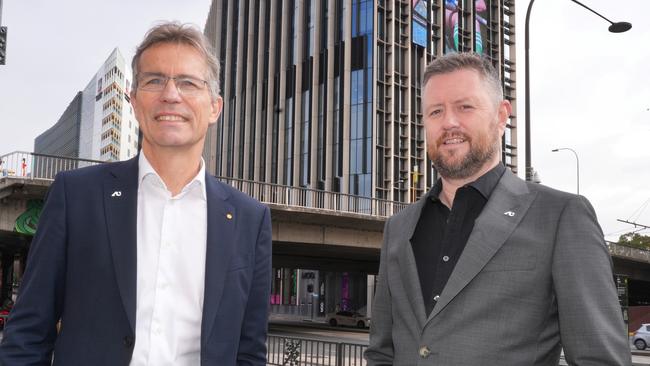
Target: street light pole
577, 165
615, 27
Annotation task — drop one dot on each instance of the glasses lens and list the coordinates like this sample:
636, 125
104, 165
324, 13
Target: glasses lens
152, 83
189, 85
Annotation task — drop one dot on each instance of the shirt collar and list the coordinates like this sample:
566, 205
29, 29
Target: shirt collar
485, 184
145, 169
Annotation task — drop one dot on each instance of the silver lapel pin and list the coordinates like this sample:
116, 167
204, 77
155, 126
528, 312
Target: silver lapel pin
117, 194
509, 213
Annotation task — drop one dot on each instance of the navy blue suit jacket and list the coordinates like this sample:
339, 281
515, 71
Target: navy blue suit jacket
82, 269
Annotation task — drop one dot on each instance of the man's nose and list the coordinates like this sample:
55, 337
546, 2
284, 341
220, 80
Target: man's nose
170, 93
450, 120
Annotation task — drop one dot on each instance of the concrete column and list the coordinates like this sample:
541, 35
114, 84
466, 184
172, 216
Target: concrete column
371, 295
7, 276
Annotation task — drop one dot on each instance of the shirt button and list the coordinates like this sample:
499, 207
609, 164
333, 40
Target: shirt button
424, 352
435, 298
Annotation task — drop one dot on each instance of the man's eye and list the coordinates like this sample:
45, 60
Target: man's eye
466, 107
154, 81
188, 84
435, 112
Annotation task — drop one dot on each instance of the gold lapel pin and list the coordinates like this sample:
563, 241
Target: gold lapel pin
229, 216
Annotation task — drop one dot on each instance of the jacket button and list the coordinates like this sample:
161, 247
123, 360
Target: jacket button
424, 352
128, 342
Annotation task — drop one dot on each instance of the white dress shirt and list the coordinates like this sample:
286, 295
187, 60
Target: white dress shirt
170, 270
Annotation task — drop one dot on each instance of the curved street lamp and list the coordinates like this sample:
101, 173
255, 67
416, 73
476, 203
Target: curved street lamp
615, 27
577, 165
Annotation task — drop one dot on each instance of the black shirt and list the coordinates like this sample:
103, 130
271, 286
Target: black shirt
441, 234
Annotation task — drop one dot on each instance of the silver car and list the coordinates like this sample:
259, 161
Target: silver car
641, 338
348, 318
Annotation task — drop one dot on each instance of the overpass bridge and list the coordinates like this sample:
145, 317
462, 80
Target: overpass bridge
313, 230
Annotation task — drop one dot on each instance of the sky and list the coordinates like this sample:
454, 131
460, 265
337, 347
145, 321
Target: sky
590, 89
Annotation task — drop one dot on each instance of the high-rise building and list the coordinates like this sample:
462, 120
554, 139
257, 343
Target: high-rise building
63, 138
326, 94
99, 123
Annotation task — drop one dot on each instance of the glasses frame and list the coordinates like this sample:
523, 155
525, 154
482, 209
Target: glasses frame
166, 79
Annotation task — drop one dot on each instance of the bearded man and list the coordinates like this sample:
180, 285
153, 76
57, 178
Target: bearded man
487, 269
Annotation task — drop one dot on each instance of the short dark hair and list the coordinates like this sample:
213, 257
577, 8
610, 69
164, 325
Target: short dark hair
466, 60
188, 34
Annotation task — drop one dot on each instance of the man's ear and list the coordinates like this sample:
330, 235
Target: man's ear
503, 113
215, 111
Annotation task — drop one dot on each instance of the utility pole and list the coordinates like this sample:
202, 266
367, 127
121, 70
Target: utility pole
3, 39
634, 223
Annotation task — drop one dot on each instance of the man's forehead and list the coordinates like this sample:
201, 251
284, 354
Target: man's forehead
171, 56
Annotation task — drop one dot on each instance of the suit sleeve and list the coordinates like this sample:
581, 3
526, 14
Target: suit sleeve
591, 324
30, 332
252, 343
380, 348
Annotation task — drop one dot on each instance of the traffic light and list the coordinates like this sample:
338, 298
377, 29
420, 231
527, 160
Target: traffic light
3, 45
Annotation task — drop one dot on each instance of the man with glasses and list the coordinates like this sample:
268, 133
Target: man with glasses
149, 261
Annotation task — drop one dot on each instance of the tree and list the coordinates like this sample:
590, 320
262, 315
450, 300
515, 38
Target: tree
635, 240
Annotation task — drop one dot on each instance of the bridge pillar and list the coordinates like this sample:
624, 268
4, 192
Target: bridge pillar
7, 263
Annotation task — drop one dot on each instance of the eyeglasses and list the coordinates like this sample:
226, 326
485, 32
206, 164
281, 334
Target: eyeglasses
186, 85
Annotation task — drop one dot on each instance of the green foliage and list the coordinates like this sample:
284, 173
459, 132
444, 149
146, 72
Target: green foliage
635, 240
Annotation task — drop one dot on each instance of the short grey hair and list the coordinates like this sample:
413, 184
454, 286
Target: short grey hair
187, 34
462, 61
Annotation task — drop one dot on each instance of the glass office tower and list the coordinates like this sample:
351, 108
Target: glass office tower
326, 94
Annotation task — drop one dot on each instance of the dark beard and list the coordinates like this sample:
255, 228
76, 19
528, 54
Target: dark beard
469, 165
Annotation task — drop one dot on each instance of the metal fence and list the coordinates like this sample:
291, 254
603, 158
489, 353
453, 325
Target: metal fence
292, 351
314, 198
27, 165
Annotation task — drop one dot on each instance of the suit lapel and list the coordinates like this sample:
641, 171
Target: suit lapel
500, 216
407, 265
222, 221
121, 210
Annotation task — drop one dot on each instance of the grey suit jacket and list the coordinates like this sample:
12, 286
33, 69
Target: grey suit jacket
535, 276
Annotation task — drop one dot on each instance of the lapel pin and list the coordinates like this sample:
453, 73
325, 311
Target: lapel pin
229, 216
117, 194
509, 213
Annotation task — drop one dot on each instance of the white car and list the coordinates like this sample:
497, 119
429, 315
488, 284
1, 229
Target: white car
347, 318
641, 338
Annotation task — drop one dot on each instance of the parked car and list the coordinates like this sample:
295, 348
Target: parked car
641, 338
349, 318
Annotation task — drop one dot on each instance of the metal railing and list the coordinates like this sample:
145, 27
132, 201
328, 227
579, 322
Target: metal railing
27, 165
303, 351
314, 198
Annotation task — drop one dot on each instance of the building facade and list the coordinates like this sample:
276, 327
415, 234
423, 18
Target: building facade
63, 138
99, 124
326, 95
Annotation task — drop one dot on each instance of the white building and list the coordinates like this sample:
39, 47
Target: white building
105, 128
